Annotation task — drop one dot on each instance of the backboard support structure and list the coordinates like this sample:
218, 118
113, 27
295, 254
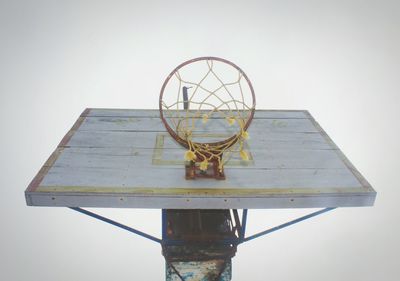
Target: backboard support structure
105, 160
204, 252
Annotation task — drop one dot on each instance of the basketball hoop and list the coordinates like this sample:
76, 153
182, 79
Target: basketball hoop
207, 105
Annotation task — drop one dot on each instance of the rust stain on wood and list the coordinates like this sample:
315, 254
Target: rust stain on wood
85, 113
72, 131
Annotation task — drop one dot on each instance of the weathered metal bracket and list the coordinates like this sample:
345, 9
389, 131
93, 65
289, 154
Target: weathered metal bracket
241, 227
193, 171
117, 224
268, 231
206, 252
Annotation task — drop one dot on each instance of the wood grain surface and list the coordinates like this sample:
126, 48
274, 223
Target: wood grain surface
124, 158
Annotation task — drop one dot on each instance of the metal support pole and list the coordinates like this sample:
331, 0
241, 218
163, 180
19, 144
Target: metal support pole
164, 224
130, 229
238, 224
243, 228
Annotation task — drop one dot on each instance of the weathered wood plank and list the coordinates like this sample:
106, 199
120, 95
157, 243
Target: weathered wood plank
111, 112
120, 158
260, 140
145, 124
112, 180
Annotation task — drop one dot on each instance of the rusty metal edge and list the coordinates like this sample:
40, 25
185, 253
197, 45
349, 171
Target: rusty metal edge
56, 153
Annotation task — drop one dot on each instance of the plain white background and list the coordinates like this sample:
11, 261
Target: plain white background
338, 59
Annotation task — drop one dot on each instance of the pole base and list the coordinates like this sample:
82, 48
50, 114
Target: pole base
211, 270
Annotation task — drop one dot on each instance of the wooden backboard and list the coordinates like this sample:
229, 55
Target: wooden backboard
124, 158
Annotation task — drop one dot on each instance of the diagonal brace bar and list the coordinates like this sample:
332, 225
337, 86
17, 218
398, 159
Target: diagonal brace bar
117, 224
287, 224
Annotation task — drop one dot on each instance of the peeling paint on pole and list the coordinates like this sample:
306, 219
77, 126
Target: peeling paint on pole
198, 245
211, 270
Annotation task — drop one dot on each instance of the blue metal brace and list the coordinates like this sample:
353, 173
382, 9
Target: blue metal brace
241, 239
262, 233
117, 224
